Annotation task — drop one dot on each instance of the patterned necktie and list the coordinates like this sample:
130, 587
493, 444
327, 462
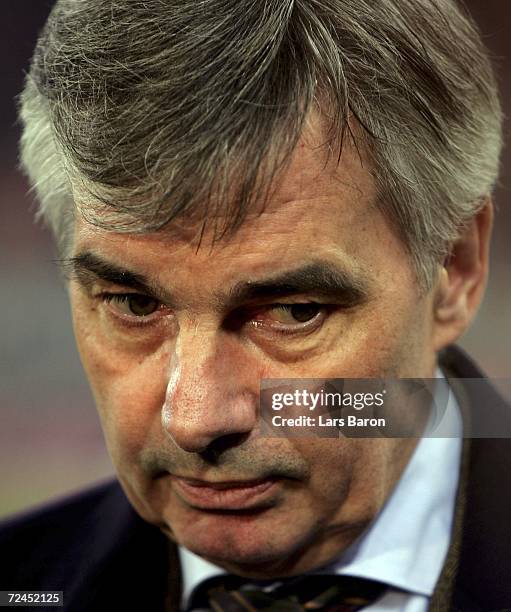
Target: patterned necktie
326, 593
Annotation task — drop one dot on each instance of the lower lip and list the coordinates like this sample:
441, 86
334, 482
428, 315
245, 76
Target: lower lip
237, 497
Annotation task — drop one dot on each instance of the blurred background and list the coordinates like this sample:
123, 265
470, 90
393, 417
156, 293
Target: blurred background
50, 438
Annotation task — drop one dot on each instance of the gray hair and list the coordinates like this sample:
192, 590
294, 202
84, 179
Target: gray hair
160, 109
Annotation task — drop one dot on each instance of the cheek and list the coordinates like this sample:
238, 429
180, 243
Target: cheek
378, 343
350, 479
392, 341
128, 387
368, 471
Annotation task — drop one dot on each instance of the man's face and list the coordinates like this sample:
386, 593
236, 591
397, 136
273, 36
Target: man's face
175, 340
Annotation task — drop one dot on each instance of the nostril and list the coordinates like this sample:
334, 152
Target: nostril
214, 450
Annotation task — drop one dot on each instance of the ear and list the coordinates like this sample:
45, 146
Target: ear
462, 280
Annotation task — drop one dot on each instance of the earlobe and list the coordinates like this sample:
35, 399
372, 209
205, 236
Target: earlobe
462, 279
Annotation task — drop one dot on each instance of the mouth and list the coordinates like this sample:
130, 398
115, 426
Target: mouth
233, 495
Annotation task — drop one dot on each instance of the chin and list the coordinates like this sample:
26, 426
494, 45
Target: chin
248, 545
262, 545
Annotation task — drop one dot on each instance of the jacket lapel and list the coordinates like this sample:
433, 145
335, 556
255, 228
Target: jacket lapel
477, 572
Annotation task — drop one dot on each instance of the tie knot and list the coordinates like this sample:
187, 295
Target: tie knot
311, 592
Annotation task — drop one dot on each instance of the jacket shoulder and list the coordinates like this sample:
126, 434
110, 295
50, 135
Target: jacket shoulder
74, 505
42, 544
93, 547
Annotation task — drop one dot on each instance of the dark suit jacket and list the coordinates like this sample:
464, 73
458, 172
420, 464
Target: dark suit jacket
96, 549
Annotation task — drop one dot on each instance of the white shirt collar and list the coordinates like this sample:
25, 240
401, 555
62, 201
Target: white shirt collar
406, 544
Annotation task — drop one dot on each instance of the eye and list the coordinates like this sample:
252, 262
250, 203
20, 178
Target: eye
132, 304
291, 318
296, 313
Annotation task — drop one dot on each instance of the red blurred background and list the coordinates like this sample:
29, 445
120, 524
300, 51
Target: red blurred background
50, 439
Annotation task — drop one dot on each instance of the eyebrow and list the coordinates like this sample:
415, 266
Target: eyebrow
87, 268
319, 277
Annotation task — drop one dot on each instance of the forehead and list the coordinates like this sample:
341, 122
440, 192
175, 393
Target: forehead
319, 207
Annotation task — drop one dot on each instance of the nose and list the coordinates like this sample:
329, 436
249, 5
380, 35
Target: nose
210, 394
